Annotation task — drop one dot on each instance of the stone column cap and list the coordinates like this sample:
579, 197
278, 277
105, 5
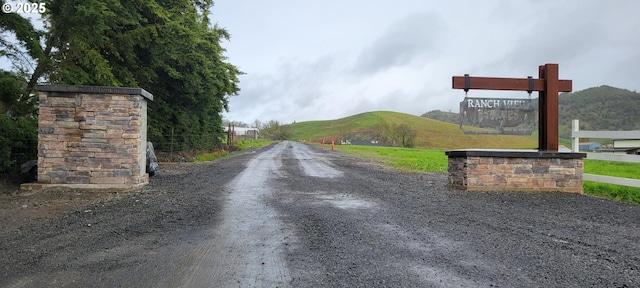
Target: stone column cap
514, 153
94, 90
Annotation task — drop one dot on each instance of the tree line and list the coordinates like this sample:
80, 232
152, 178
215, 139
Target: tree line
169, 48
601, 108
395, 135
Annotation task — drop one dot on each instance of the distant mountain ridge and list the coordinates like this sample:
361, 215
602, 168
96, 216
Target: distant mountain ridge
597, 108
601, 108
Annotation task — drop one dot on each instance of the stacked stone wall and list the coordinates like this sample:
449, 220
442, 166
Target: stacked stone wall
527, 173
91, 137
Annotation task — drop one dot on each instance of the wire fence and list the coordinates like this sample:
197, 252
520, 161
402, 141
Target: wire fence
168, 148
12, 157
183, 147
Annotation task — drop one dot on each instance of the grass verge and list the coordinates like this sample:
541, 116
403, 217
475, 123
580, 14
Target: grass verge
239, 146
612, 168
211, 155
615, 169
616, 192
248, 144
405, 159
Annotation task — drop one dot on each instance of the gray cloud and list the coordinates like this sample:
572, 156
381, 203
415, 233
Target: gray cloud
408, 40
329, 71
416, 103
590, 41
286, 93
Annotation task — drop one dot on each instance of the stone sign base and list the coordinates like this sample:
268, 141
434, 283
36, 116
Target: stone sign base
515, 170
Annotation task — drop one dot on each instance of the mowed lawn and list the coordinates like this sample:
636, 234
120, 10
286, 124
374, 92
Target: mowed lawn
405, 159
421, 160
616, 169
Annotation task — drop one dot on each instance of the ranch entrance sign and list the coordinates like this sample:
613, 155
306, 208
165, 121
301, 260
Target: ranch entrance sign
504, 116
543, 169
548, 85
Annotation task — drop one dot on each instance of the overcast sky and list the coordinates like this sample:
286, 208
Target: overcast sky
321, 60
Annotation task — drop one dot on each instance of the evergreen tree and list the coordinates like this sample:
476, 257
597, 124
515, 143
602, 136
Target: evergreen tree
168, 48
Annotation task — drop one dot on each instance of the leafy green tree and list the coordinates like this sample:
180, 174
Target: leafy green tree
449, 117
20, 44
274, 130
18, 143
402, 135
168, 48
11, 87
379, 132
601, 108
18, 133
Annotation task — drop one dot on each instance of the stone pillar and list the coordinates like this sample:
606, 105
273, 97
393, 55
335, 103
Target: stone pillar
515, 170
91, 138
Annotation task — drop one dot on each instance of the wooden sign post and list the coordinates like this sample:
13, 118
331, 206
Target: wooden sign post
548, 85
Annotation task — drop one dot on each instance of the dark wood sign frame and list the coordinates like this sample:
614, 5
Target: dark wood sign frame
548, 86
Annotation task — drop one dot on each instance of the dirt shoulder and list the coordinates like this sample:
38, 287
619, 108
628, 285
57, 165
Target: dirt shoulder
18, 208
49, 233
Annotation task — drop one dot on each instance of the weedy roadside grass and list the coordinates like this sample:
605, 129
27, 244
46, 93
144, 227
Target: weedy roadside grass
248, 144
211, 155
616, 192
419, 160
240, 145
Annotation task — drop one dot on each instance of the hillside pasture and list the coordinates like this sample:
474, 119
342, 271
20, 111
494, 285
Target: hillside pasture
431, 134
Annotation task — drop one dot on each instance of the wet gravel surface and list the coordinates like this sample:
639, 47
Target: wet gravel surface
293, 215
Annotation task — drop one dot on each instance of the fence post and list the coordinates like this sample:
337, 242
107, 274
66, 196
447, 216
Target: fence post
171, 145
575, 141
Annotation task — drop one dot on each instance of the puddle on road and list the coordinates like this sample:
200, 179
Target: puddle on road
345, 202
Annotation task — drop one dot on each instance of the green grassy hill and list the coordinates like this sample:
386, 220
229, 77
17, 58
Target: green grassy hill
431, 134
601, 108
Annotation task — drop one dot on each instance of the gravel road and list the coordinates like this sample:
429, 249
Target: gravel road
294, 215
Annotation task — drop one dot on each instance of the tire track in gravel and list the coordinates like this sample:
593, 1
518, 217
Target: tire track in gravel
245, 248
348, 240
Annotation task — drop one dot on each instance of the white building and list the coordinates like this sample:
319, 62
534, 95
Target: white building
244, 132
629, 146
